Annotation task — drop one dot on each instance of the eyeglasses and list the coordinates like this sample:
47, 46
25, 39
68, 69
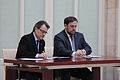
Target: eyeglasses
45, 32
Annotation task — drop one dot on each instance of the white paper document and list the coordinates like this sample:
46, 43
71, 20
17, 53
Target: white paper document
31, 59
92, 56
39, 59
58, 57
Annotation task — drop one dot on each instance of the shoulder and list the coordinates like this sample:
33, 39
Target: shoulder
27, 37
43, 41
79, 35
60, 34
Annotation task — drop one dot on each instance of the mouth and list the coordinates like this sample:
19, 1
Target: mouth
72, 32
41, 37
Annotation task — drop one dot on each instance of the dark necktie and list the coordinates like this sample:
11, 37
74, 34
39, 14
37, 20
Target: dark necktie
37, 44
73, 42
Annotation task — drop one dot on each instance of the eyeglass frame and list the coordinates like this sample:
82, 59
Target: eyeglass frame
44, 32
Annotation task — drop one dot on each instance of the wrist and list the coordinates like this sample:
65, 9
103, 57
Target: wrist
73, 54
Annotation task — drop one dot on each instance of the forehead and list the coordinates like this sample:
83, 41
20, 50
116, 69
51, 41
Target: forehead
43, 26
73, 23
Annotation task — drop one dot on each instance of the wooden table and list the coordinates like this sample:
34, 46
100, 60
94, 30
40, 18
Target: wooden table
49, 65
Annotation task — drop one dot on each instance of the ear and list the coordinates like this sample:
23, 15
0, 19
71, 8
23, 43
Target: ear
65, 25
36, 28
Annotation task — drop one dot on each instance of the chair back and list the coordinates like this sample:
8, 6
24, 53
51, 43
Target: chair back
9, 53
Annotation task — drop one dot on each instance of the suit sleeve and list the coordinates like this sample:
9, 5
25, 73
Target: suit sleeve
86, 46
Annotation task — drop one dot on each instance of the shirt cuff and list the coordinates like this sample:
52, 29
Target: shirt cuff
73, 54
37, 55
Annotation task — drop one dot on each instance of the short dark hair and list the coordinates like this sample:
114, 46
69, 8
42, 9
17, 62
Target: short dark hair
40, 23
69, 19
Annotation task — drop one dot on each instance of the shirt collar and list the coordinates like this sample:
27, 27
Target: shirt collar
67, 33
35, 36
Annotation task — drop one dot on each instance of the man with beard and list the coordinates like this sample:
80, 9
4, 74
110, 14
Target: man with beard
70, 43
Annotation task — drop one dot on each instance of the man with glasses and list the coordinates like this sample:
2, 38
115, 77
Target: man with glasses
70, 43
32, 46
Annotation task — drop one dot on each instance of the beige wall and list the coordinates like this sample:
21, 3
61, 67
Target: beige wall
110, 37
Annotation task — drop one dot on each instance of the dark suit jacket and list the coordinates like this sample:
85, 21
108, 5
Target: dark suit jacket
62, 46
27, 47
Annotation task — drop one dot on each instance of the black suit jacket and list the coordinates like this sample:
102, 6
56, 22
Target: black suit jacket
62, 46
27, 47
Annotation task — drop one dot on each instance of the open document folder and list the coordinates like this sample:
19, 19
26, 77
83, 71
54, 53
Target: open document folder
50, 58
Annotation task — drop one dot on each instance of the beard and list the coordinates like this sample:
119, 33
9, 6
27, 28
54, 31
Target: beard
71, 32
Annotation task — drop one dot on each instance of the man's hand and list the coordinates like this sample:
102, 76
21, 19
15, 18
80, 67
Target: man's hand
80, 53
43, 55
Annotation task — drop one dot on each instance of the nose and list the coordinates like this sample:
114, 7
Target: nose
44, 34
74, 28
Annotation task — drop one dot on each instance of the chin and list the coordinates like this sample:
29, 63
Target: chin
73, 33
41, 37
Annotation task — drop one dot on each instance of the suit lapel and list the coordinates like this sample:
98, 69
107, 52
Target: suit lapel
33, 42
75, 40
67, 41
